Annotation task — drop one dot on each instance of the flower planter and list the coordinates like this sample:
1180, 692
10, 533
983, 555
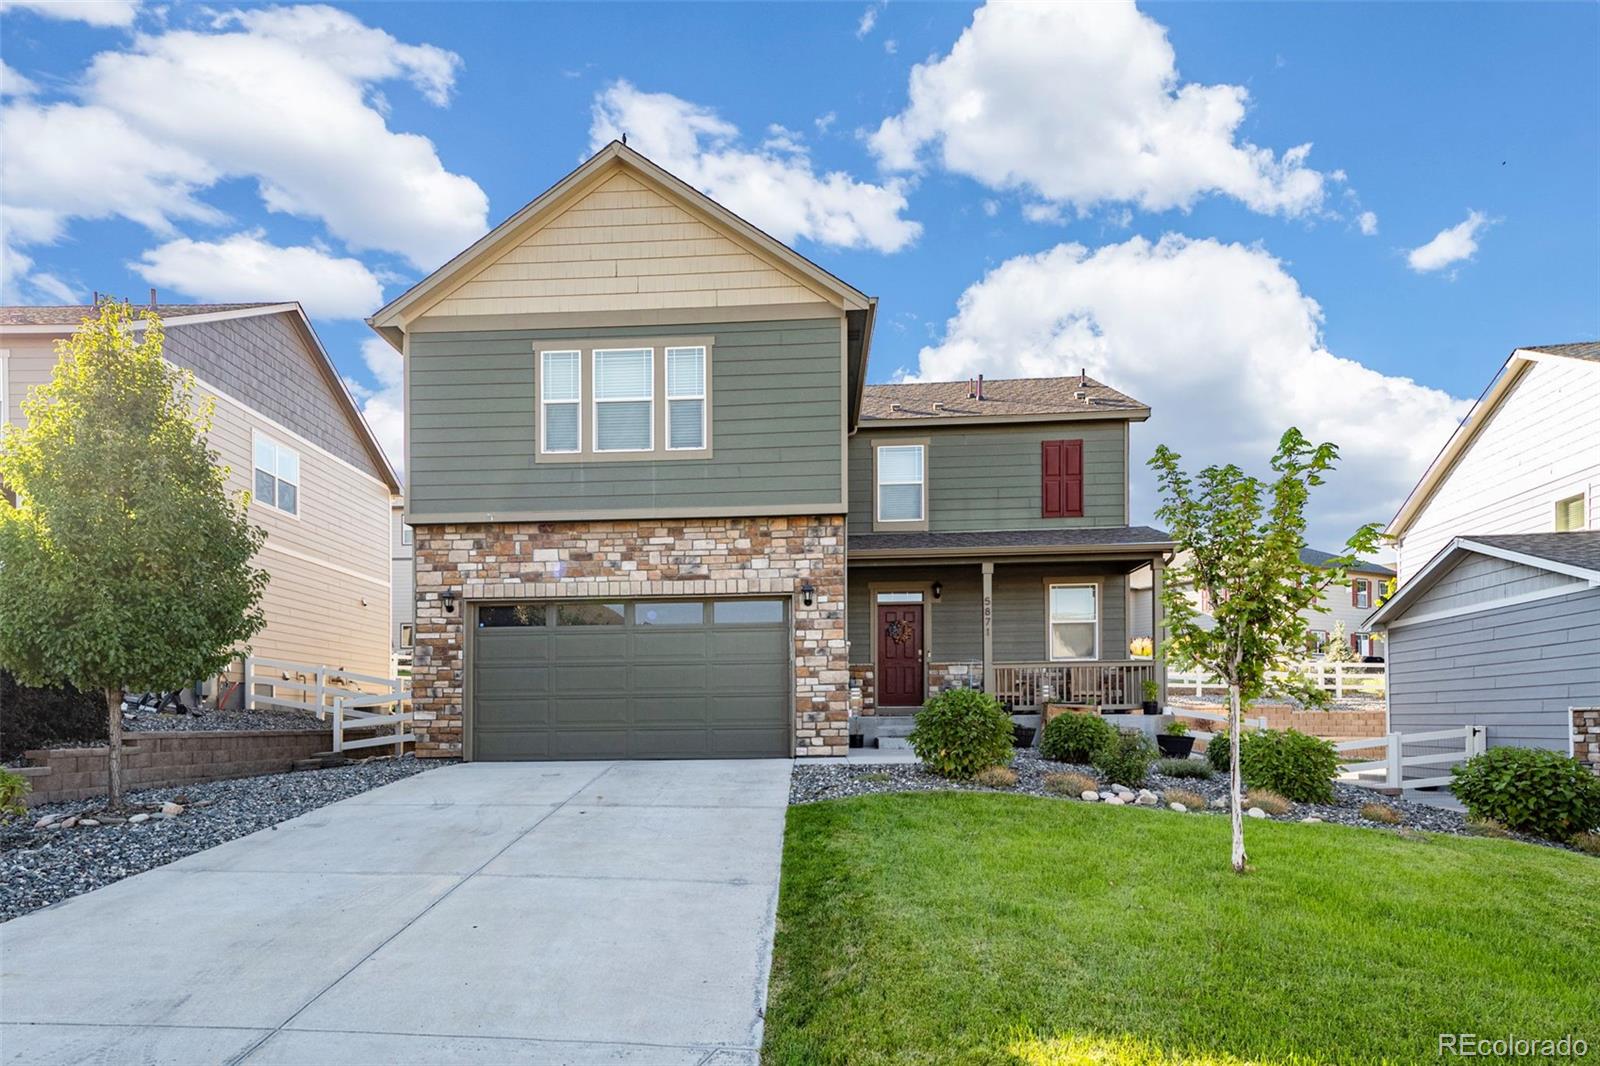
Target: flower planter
1151, 707
1175, 747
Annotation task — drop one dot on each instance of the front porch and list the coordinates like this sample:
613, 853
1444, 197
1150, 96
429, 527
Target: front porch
1031, 616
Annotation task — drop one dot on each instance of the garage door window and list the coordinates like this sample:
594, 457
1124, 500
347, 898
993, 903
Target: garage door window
522, 614
747, 612
669, 614
589, 614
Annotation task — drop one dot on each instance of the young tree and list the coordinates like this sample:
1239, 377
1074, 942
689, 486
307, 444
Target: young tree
1339, 649
1242, 537
124, 561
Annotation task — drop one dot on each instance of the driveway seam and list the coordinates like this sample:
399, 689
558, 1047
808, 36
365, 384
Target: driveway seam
247, 1052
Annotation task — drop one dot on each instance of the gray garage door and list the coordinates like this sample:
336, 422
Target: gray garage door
654, 679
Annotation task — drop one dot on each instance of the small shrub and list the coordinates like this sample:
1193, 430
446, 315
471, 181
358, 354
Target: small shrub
13, 786
1075, 737
1267, 800
1070, 784
1530, 790
1588, 843
1196, 768
1217, 749
961, 732
997, 777
1290, 763
1126, 759
1381, 812
1192, 800
1177, 728
1149, 689
1486, 827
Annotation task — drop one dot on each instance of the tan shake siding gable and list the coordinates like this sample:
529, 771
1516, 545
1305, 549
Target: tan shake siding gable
626, 559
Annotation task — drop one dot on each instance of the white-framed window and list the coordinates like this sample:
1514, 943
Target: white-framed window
902, 483
561, 401
1569, 514
1363, 592
405, 534
1074, 625
277, 480
624, 400
686, 398
407, 634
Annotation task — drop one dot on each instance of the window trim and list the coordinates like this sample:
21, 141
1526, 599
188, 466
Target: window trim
904, 524
1582, 500
667, 397
595, 401
544, 404
408, 634
1099, 616
657, 345
299, 481
1361, 593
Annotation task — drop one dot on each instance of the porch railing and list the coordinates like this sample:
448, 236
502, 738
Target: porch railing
1118, 685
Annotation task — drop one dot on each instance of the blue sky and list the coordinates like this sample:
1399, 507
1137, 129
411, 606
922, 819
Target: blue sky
1053, 188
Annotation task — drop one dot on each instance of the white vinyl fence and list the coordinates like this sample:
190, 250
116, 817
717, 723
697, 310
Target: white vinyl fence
1389, 771
1340, 680
354, 702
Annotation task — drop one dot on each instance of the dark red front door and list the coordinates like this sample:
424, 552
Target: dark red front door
900, 655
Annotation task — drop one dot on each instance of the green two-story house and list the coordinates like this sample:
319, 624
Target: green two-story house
658, 512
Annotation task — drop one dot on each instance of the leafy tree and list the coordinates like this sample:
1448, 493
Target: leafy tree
1240, 537
126, 562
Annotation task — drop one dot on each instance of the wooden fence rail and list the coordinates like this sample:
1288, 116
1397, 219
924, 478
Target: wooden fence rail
1341, 680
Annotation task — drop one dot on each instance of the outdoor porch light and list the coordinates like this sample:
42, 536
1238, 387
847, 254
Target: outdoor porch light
808, 594
449, 598
938, 589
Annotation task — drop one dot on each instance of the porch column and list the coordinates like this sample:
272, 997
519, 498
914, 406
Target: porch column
988, 627
1158, 658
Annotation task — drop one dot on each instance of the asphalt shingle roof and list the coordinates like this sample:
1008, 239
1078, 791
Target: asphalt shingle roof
1577, 548
72, 314
1110, 537
1581, 350
1006, 396
1313, 557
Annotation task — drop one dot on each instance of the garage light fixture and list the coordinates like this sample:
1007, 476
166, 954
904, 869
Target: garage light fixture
938, 589
448, 596
808, 594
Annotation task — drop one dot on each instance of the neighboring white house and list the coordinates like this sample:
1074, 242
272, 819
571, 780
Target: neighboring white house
1525, 460
1347, 605
402, 628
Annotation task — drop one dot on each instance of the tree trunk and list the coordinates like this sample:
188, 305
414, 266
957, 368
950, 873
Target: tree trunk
114, 731
1235, 803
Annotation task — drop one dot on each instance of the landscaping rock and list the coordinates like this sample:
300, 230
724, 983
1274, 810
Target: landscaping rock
1311, 818
88, 822
1255, 812
1220, 803
47, 822
1090, 795
1116, 800
142, 816
1147, 799
1180, 808
172, 810
68, 823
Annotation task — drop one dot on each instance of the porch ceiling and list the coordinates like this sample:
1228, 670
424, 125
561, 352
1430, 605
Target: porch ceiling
1108, 541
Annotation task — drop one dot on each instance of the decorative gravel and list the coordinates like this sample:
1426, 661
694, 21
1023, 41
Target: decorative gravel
813, 782
39, 867
151, 722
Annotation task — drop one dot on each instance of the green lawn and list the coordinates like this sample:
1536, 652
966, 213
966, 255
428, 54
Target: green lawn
973, 928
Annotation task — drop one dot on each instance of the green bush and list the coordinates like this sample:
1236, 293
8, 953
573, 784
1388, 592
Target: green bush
1197, 768
1530, 790
961, 732
1126, 759
1290, 763
1075, 737
1217, 749
13, 786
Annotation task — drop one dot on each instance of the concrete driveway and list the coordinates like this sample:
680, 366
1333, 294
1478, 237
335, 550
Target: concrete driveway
616, 913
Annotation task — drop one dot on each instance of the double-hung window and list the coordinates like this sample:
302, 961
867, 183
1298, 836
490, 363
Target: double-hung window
1361, 593
902, 483
624, 400
1074, 621
277, 475
686, 398
561, 401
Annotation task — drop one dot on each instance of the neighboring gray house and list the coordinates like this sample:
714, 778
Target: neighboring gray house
1501, 631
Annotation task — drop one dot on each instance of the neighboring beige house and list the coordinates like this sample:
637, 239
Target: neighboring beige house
402, 627
290, 433
1525, 460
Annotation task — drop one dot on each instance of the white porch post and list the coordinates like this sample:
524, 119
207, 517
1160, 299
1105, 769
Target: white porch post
1158, 658
988, 627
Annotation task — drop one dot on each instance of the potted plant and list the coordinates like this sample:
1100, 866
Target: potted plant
1174, 740
1152, 693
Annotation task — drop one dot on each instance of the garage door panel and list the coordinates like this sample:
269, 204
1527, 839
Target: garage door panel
667, 682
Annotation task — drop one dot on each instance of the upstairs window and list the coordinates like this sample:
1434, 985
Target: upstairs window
902, 495
686, 398
1061, 479
561, 400
1361, 593
277, 482
624, 400
1569, 514
1074, 622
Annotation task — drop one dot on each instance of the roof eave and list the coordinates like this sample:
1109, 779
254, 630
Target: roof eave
976, 551
1459, 546
1139, 414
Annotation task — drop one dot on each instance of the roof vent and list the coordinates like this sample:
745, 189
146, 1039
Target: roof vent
1080, 395
894, 407
1083, 377
938, 405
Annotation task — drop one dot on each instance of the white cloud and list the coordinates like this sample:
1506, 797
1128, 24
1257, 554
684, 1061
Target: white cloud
1229, 353
1081, 104
774, 187
14, 83
890, 46
246, 267
1452, 245
1368, 223
869, 19
383, 407
94, 12
991, 208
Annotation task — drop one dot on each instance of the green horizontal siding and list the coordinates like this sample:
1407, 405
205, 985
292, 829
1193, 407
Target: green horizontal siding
776, 425
956, 618
987, 477
1019, 610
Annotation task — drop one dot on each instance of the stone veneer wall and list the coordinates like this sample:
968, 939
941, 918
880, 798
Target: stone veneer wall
866, 682
633, 559
1586, 736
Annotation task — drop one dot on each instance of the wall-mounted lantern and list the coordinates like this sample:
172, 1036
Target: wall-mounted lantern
938, 589
448, 596
808, 594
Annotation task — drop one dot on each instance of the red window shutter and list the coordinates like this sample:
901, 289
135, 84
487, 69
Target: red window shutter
1061, 478
1355, 594
1355, 642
